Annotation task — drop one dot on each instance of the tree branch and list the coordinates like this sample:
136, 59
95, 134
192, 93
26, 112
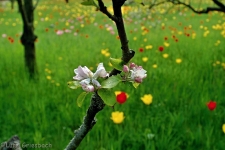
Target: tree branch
205, 11
221, 6
127, 54
12, 144
104, 10
89, 121
156, 4
97, 103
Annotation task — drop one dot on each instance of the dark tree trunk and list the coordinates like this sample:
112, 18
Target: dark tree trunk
28, 37
12, 4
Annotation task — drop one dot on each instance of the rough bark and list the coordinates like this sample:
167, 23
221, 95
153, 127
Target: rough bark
89, 121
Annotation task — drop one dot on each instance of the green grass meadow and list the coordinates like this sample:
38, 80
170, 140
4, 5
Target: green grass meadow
46, 111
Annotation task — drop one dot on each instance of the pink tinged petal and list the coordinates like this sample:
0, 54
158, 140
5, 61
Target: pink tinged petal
95, 82
81, 73
125, 68
88, 88
132, 65
138, 80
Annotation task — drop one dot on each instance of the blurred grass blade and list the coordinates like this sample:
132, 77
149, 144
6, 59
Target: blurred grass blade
81, 98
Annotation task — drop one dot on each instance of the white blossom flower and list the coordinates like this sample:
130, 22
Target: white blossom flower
88, 80
134, 72
138, 74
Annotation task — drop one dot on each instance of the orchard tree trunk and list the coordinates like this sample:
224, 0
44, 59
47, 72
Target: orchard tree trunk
28, 37
12, 4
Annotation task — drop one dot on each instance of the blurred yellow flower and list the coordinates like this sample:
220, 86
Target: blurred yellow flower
217, 62
178, 60
147, 99
148, 47
223, 128
180, 32
49, 77
154, 66
165, 55
135, 38
105, 52
117, 117
166, 44
144, 59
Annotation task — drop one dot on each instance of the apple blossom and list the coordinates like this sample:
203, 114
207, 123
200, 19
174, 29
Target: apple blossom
137, 73
88, 80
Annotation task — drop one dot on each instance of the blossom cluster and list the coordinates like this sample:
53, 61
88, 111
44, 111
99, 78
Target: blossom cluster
134, 73
87, 79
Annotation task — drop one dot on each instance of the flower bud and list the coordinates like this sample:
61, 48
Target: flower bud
132, 65
126, 69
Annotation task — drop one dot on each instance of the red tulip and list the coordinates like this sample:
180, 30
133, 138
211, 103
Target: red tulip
141, 49
211, 105
161, 48
121, 98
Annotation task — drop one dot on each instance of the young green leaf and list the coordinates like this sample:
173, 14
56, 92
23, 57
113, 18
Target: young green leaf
81, 98
111, 82
107, 96
135, 84
73, 84
89, 3
117, 63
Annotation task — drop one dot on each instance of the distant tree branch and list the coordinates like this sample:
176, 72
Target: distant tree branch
36, 4
156, 4
221, 6
204, 11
